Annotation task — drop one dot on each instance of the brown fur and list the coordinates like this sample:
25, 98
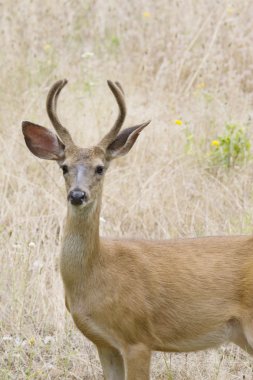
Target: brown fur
179, 295
131, 297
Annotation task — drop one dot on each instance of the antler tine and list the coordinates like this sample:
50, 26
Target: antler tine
52, 112
119, 96
120, 87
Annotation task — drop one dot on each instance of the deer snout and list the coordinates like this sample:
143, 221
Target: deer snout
77, 197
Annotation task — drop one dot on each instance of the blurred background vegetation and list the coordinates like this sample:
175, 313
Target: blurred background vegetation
187, 65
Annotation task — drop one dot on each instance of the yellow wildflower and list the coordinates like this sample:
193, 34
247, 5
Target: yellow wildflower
178, 122
47, 48
146, 14
200, 85
230, 10
215, 143
31, 341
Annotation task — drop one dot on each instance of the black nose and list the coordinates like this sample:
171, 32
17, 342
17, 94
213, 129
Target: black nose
77, 197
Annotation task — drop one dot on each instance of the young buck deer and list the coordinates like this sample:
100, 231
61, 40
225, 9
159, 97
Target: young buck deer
131, 297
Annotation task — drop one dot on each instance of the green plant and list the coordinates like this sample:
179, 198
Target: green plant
189, 144
231, 148
112, 43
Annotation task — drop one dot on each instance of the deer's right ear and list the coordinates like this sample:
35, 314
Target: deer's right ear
42, 142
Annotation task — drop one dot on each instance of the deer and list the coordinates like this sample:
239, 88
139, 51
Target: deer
128, 296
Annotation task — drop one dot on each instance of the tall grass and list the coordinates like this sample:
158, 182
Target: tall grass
187, 61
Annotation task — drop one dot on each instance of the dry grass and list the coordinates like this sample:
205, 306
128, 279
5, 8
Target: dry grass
187, 60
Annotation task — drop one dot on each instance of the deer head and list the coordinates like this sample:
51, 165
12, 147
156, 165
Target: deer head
83, 168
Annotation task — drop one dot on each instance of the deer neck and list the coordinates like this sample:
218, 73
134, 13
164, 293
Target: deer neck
80, 246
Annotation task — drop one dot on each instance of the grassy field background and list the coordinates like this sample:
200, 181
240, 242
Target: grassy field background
187, 65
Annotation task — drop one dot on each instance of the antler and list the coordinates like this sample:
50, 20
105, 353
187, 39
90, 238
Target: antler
51, 110
119, 96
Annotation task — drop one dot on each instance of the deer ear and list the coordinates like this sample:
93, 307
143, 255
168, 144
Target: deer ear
124, 141
42, 142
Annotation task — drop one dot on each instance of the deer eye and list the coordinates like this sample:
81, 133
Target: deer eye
99, 169
65, 169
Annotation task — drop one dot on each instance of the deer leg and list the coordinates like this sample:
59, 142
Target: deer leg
248, 337
241, 336
112, 363
137, 362
243, 343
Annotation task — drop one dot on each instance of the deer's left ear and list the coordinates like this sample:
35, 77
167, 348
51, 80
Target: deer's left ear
42, 142
124, 141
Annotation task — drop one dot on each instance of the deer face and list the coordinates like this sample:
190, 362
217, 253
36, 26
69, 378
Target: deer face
84, 171
83, 168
